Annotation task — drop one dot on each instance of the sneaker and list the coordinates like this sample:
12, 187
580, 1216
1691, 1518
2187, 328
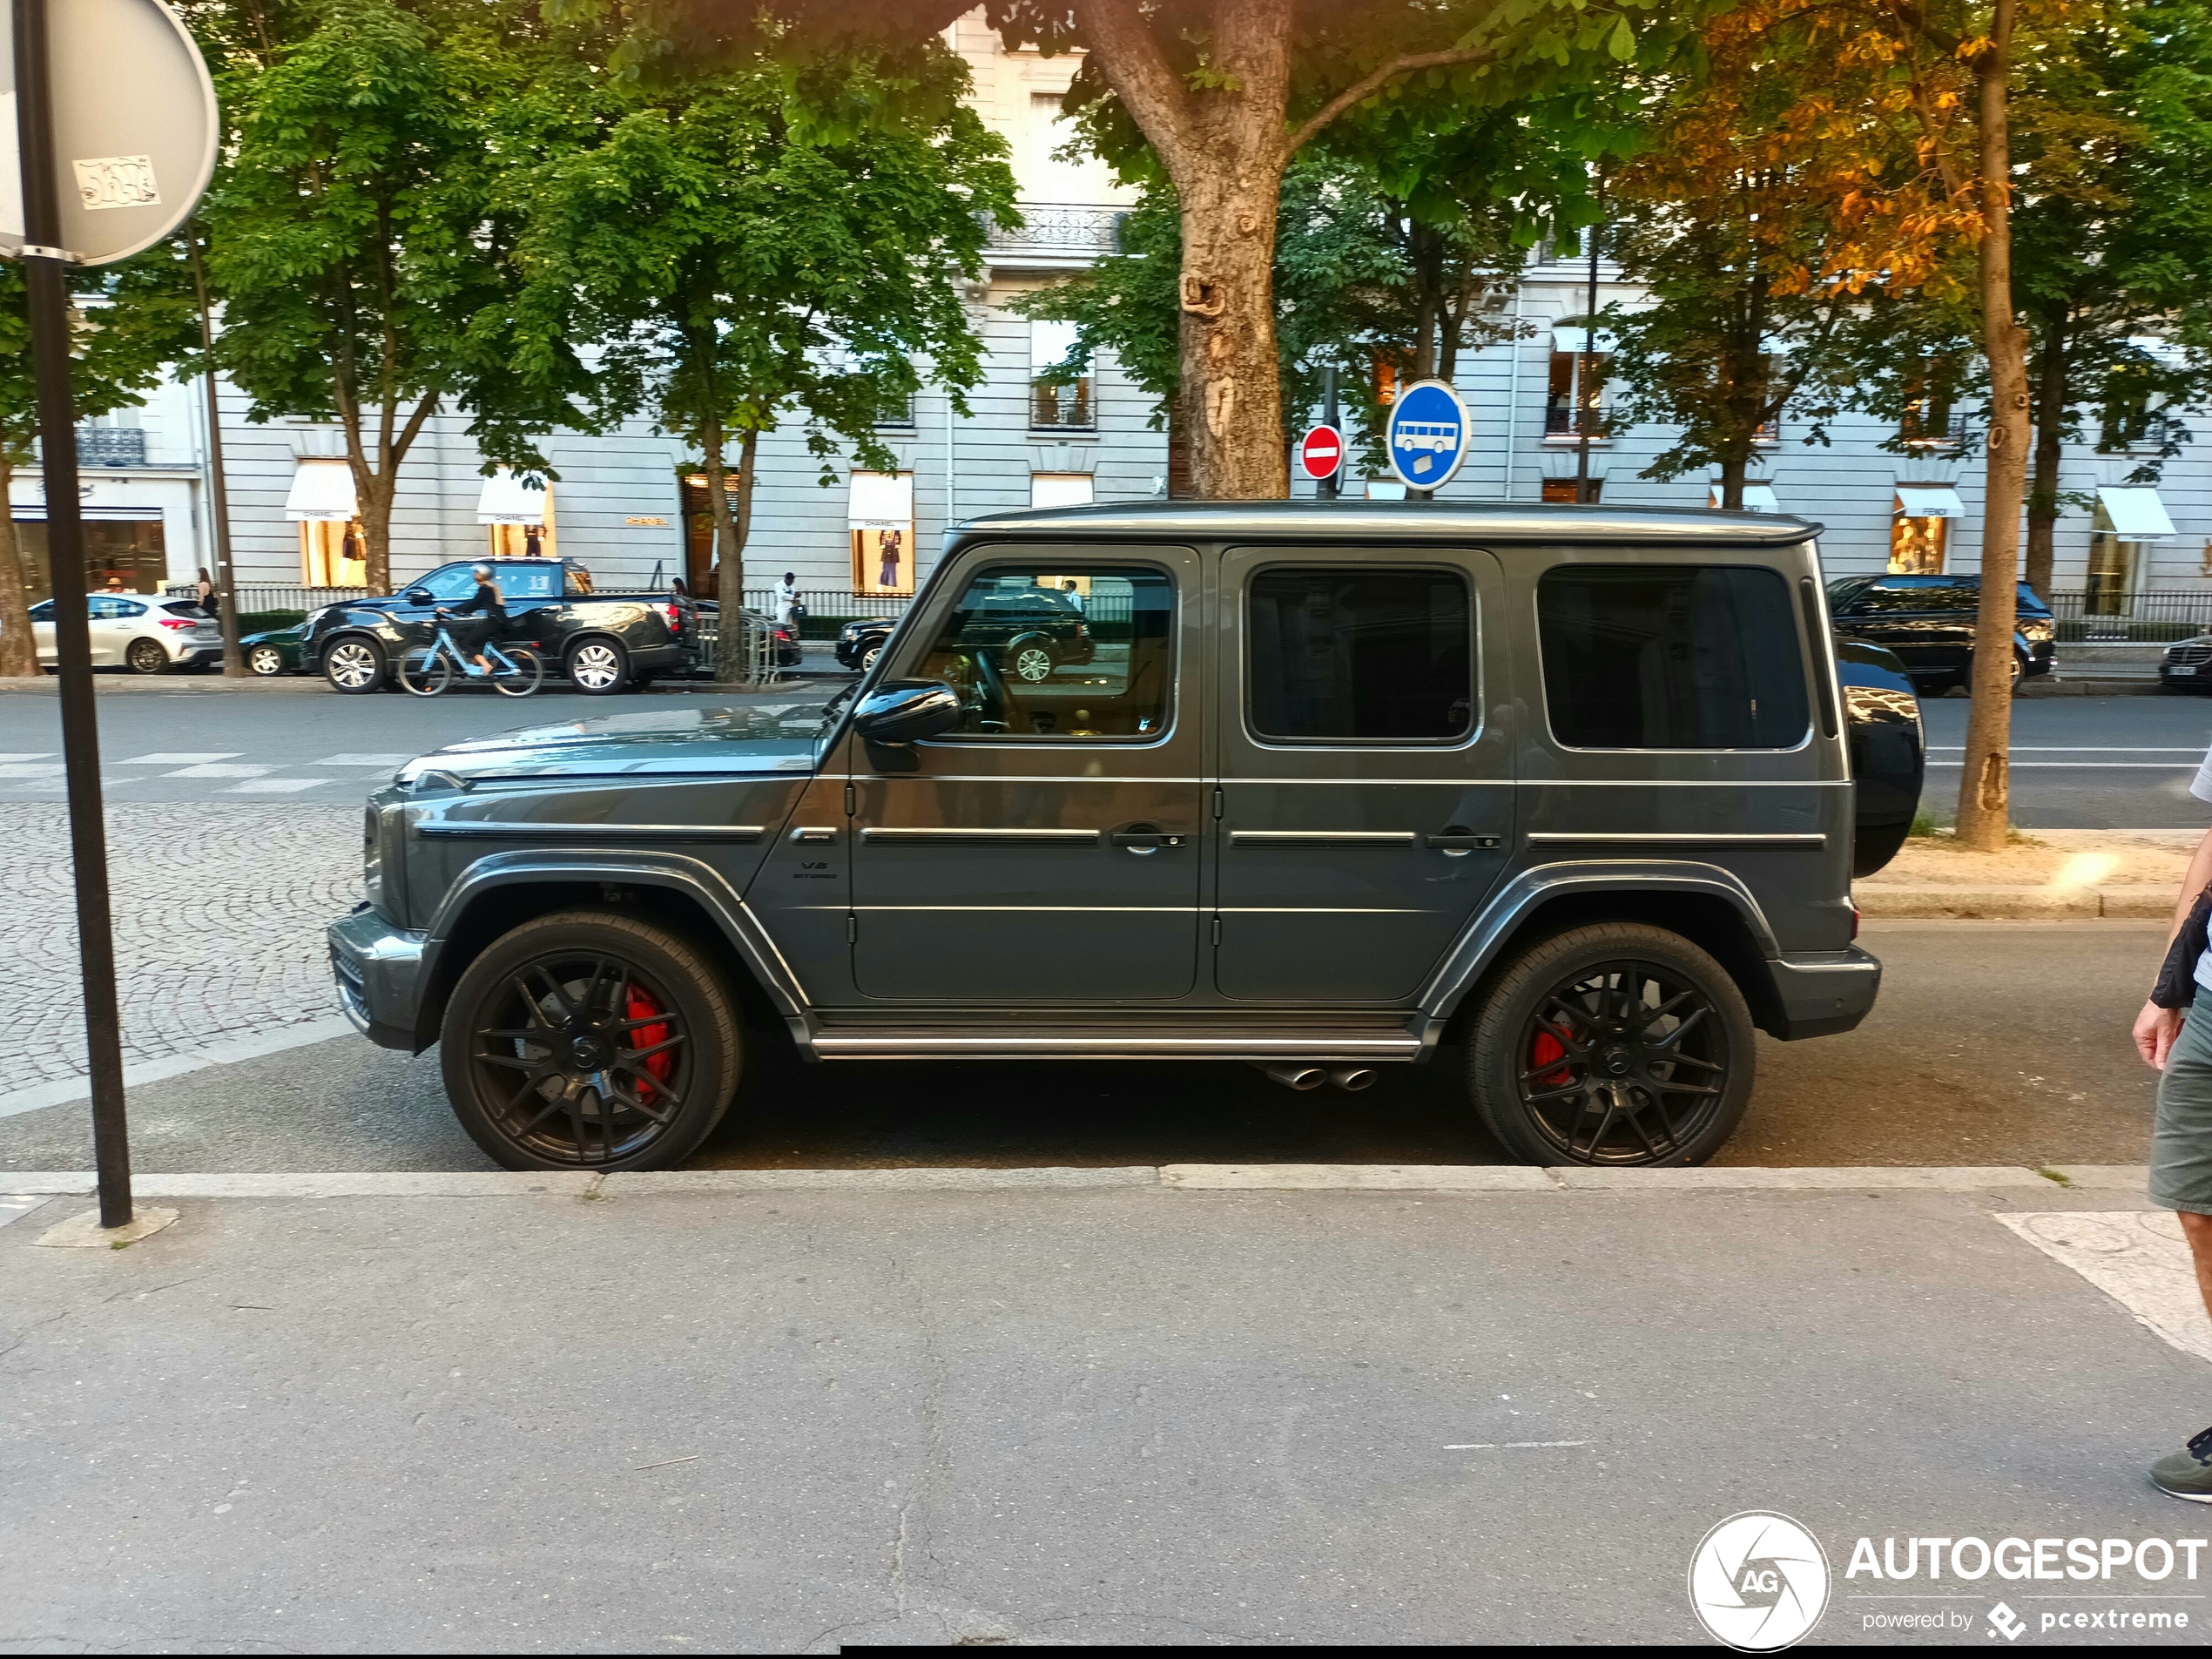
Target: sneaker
2187, 1475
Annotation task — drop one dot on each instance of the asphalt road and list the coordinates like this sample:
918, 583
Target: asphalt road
1993, 1043
2078, 763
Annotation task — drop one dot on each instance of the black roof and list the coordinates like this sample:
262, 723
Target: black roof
1488, 521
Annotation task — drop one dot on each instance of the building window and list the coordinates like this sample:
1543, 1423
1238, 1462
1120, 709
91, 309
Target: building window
333, 553
518, 517
1561, 490
1573, 408
900, 416
1929, 424
697, 515
2112, 571
1387, 382
882, 521
1060, 489
1061, 403
1916, 545
134, 549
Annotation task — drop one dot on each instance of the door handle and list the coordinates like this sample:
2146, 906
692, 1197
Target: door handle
1456, 841
1142, 839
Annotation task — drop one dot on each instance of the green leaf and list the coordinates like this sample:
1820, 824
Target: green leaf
1623, 43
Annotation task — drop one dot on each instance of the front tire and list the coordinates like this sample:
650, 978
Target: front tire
354, 665
587, 1039
528, 676
146, 657
425, 671
1029, 659
596, 667
1614, 1044
265, 661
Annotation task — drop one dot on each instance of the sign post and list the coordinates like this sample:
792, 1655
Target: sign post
115, 132
1427, 438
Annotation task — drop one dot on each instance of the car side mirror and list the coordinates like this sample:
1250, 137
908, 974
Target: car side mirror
421, 596
903, 712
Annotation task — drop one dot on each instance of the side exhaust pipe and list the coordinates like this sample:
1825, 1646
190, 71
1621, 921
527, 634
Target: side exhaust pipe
1291, 1076
1352, 1079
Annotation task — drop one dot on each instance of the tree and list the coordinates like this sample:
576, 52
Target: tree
364, 272
130, 321
732, 258
1773, 194
1220, 96
2112, 232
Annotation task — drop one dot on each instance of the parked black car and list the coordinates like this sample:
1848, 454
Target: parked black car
1928, 620
602, 641
1564, 793
2187, 666
1030, 629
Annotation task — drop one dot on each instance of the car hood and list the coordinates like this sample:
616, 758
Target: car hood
780, 738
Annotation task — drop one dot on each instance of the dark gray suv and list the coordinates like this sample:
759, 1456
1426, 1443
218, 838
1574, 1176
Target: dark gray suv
1565, 792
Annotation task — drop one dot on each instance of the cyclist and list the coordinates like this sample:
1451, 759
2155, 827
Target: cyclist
469, 637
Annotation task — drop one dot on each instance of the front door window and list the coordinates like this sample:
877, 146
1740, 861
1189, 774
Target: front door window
1058, 653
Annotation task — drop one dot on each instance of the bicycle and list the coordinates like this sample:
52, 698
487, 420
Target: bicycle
428, 669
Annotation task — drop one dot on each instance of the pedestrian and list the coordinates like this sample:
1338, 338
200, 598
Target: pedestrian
469, 637
206, 592
786, 599
114, 584
1074, 594
2173, 1034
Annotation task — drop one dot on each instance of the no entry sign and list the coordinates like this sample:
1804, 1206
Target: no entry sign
1320, 452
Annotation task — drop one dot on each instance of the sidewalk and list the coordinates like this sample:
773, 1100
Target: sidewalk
2045, 875
739, 1410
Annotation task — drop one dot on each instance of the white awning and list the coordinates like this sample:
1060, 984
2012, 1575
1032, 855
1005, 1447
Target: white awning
881, 501
2133, 514
1385, 489
1758, 498
508, 500
1060, 489
1929, 501
1570, 340
322, 492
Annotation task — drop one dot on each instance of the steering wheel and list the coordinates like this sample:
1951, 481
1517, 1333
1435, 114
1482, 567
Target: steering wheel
994, 702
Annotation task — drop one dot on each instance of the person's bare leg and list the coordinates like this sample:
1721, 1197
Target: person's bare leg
2198, 1229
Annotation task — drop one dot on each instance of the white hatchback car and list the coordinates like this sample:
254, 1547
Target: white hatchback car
137, 631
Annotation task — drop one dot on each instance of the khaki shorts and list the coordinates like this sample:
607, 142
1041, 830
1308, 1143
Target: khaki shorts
2181, 1141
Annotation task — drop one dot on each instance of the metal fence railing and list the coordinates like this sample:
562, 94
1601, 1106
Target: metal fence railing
2111, 616
827, 608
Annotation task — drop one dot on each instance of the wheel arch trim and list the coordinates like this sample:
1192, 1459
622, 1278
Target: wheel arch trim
673, 872
1478, 944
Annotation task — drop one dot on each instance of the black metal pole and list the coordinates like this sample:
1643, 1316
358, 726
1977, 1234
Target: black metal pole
1332, 486
44, 274
218, 501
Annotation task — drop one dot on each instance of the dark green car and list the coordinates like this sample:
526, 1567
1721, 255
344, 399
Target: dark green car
277, 651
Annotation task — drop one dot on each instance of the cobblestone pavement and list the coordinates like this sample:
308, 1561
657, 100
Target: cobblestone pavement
219, 913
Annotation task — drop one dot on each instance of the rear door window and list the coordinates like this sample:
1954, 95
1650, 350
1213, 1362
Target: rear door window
1671, 657
1354, 654
528, 581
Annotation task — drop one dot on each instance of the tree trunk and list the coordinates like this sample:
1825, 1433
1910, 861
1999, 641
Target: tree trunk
729, 558
1732, 470
18, 653
1984, 785
2050, 448
373, 494
1232, 381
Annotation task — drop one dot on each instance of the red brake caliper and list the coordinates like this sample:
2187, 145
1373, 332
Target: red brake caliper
642, 1006
1545, 1049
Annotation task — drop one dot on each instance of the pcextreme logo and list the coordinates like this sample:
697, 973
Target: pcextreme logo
1758, 1582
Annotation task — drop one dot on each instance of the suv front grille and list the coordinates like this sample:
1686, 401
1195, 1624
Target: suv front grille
352, 989
2190, 654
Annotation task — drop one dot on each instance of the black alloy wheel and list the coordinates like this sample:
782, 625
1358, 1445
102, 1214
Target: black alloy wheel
587, 1039
146, 657
1615, 1044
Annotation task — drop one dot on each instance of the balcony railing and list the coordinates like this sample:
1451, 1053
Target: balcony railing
1062, 228
110, 445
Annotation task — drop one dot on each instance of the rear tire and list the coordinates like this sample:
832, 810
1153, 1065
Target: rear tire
145, 656
265, 661
597, 667
1614, 1044
578, 1001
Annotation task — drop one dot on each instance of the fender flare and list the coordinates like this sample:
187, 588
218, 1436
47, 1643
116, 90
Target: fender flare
675, 872
1478, 944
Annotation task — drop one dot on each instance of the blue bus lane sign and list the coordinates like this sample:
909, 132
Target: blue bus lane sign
1428, 434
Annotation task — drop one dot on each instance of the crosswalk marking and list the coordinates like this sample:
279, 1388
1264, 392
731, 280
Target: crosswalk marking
2136, 1257
277, 786
43, 754
181, 759
219, 772
30, 769
360, 760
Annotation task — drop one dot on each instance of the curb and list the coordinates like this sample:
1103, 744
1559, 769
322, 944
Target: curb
2017, 904
1188, 1177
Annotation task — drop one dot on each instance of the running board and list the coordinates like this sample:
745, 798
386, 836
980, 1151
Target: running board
1367, 1045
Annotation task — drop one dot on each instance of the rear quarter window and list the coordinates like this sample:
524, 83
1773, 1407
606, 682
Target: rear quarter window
1671, 657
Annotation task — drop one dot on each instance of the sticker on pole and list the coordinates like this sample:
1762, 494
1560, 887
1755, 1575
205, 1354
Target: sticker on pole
135, 127
1320, 452
1426, 439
